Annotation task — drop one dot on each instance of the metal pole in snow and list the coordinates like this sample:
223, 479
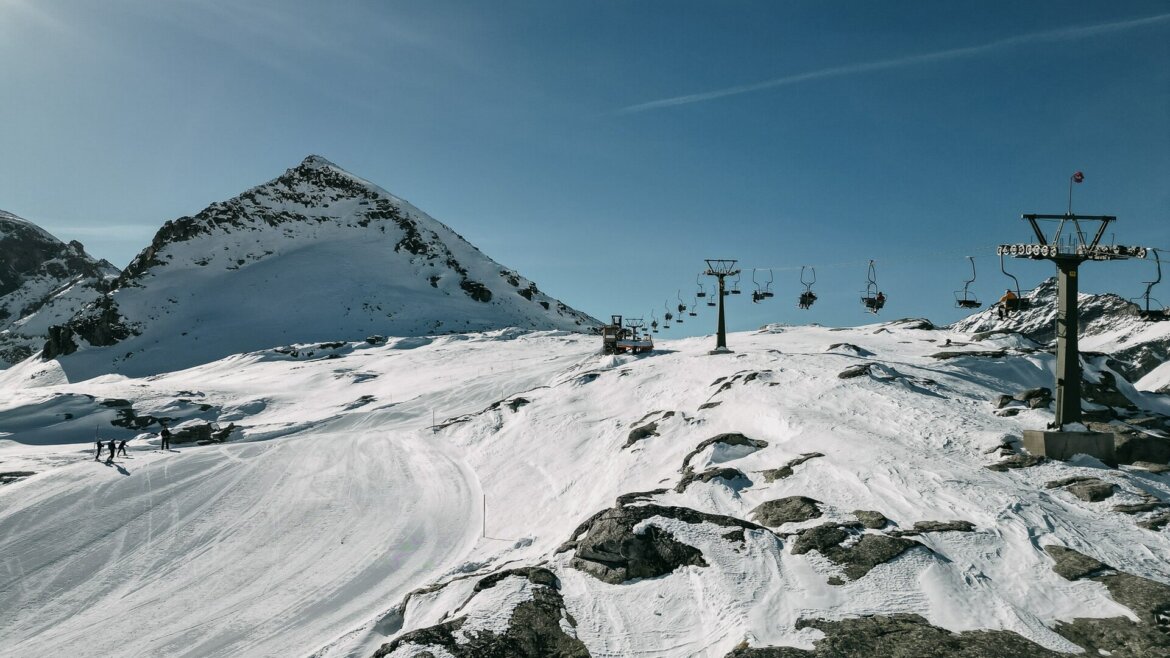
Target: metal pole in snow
485, 516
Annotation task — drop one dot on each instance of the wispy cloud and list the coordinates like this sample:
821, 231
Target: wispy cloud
1064, 34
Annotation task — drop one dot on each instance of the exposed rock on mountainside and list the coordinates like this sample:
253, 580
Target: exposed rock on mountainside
1108, 324
42, 281
315, 255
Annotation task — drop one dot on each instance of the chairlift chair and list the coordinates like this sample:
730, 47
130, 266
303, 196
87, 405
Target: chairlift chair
711, 300
682, 308
669, 316
702, 292
808, 297
968, 299
734, 286
768, 286
694, 305
1153, 314
1019, 303
873, 299
653, 321
758, 294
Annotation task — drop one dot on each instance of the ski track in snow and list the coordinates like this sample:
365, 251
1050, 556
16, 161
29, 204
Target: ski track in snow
303, 537
253, 548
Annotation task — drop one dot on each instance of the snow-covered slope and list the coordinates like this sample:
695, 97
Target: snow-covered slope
1109, 324
43, 282
315, 255
343, 519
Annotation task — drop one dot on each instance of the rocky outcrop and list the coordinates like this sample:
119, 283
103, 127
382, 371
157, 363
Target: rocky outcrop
536, 627
607, 547
903, 636
792, 509
728, 440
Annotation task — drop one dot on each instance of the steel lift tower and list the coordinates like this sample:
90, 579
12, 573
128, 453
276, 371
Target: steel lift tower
1070, 244
721, 269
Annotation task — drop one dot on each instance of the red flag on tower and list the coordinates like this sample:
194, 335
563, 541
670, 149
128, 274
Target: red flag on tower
1078, 177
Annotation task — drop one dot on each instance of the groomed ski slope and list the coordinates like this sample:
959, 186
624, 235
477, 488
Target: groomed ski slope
303, 538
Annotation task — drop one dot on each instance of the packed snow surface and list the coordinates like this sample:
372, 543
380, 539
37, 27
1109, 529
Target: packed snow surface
341, 495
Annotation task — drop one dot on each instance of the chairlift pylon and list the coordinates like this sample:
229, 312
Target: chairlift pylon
808, 297
968, 300
702, 292
873, 299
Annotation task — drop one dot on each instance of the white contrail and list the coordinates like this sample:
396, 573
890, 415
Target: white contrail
1065, 34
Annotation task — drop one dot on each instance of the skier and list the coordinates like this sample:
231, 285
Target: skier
165, 437
97, 456
122, 448
113, 447
881, 301
1006, 303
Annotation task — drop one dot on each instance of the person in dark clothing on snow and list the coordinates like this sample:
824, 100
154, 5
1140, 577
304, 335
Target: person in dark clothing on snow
113, 448
98, 455
122, 448
165, 437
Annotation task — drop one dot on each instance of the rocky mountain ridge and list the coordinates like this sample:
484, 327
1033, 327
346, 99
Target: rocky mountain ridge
43, 281
1109, 324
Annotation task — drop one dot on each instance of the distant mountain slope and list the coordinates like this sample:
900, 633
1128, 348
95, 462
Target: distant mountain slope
43, 281
315, 255
1108, 324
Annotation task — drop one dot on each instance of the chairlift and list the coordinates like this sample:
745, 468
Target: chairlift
1011, 304
682, 308
702, 292
808, 297
669, 316
734, 285
873, 299
711, 300
653, 321
768, 286
968, 300
1153, 314
694, 305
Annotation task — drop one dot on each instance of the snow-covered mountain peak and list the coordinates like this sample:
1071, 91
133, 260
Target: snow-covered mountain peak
314, 255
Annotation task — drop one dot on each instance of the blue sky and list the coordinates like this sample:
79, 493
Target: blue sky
605, 148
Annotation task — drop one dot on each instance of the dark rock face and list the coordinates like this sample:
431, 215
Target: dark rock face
1119, 636
638, 433
98, 323
988, 354
773, 474
1130, 448
534, 630
728, 439
872, 520
1015, 461
793, 509
855, 371
935, 526
1088, 489
901, 636
733, 476
607, 547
